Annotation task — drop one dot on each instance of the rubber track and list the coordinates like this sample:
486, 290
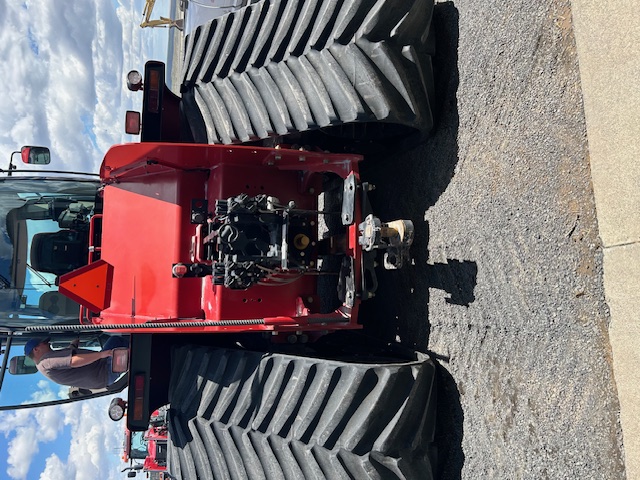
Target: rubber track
281, 66
245, 415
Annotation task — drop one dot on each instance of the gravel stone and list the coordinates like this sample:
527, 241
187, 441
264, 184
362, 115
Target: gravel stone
506, 284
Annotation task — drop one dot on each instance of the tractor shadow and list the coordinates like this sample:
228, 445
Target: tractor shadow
408, 184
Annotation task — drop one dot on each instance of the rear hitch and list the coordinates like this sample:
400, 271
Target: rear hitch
395, 237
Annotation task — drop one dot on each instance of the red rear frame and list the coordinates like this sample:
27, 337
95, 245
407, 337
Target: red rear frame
146, 228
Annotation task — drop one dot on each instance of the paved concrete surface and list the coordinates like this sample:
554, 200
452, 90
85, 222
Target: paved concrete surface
607, 34
178, 49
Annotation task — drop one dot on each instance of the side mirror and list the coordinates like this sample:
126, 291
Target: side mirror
35, 155
22, 365
120, 360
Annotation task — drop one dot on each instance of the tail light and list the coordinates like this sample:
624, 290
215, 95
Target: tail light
153, 89
138, 397
132, 123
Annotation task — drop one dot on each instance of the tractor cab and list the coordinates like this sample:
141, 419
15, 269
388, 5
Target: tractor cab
48, 221
45, 225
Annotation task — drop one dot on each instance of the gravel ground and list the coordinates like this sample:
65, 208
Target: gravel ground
506, 287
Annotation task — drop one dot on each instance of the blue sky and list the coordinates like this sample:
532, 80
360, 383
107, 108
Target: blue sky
64, 65
64, 442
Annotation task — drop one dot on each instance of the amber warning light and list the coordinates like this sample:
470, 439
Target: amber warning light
132, 123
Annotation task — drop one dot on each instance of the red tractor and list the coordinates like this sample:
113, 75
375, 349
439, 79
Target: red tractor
234, 250
149, 447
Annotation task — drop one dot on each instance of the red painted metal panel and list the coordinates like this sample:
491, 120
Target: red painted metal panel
138, 158
146, 229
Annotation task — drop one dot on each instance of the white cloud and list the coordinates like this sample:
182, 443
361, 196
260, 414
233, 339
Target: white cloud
64, 66
96, 441
27, 429
56, 469
44, 393
21, 451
